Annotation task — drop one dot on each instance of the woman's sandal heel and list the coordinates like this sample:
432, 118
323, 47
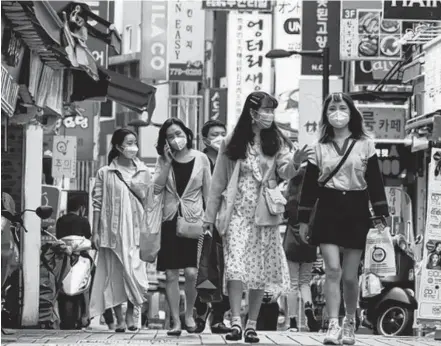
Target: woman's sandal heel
235, 334
251, 336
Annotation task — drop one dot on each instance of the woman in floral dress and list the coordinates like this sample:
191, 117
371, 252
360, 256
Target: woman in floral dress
252, 159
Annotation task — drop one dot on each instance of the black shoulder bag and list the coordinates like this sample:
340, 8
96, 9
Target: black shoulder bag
119, 175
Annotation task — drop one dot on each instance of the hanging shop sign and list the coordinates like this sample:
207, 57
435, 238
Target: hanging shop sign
287, 35
365, 35
218, 104
410, 10
372, 72
429, 295
321, 28
186, 40
384, 122
244, 5
154, 41
249, 39
9, 93
432, 73
64, 157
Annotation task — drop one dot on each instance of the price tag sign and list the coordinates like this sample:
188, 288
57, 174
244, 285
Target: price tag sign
64, 157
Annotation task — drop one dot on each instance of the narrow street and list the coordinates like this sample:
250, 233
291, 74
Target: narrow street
159, 337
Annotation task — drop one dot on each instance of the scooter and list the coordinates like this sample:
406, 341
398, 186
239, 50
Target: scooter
390, 313
73, 298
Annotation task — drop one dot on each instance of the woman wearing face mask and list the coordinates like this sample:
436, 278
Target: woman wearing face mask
342, 218
251, 160
119, 200
183, 176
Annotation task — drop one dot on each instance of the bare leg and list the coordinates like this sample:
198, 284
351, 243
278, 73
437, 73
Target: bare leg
190, 295
255, 301
173, 296
129, 315
119, 317
351, 262
331, 257
235, 296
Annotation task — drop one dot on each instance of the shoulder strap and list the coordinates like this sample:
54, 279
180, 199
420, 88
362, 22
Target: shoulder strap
340, 164
119, 175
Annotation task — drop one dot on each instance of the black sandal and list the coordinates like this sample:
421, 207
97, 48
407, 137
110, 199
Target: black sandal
251, 336
235, 334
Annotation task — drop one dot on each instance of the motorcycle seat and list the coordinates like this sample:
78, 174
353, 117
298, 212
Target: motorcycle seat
395, 280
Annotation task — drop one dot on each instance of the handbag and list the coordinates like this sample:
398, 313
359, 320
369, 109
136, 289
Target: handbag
275, 200
188, 229
150, 236
322, 184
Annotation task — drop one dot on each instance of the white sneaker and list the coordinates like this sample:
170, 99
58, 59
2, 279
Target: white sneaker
348, 337
333, 335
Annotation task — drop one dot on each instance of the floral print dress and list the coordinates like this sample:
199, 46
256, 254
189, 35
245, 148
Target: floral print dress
253, 254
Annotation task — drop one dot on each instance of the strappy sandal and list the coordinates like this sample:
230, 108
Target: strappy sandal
235, 334
251, 336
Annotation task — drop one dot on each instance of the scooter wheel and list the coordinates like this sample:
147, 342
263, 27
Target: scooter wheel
394, 320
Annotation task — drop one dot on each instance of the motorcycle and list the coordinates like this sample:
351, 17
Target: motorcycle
12, 280
73, 298
390, 312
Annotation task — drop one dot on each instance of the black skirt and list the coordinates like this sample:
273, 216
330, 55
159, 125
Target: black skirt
176, 252
342, 218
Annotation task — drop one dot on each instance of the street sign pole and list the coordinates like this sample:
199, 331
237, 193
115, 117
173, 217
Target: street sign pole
325, 72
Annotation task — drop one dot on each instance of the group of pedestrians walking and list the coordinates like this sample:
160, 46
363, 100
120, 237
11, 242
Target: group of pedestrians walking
233, 186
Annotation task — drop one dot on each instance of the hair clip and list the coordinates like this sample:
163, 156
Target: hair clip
337, 97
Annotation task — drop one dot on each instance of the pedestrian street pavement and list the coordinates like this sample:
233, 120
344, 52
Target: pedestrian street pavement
146, 337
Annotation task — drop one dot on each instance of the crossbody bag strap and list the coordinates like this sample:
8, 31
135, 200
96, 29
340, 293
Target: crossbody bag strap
340, 164
119, 175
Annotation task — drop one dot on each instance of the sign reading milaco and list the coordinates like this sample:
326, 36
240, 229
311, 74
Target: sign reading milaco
411, 10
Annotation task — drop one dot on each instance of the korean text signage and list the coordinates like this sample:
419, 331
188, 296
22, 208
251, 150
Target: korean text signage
429, 295
64, 157
9, 93
154, 40
98, 48
244, 5
410, 10
384, 122
218, 105
321, 28
186, 40
249, 39
365, 35
372, 72
432, 79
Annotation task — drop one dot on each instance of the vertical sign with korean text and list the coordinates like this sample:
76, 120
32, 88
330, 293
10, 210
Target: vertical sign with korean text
429, 295
218, 104
321, 28
310, 107
154, 40
432, 73
99, 49
288, 36
64, 157
186, 40
249, 39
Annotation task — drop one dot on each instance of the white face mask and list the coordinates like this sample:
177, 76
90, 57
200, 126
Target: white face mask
338, 119
130, 151
179, 143
215, 143
264, 120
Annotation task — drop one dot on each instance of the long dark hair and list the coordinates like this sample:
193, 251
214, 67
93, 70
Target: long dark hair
162, 136
355, 125
272, 139
118, 139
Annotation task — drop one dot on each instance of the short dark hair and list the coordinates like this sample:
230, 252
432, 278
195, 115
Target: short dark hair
74, 203
162, 136
209, 124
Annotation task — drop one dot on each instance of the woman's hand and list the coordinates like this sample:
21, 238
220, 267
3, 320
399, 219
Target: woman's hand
168, 154
303, 232
302, 155
95, 241
208, 228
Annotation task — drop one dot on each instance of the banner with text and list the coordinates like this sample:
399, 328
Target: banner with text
384, 122
240, 5
432, 73
310, 107
321, 28
373, 72
186, 40
365, 35
154, 40
409, 10
429, 295
218, 104
288, 36
64, 157
249, 39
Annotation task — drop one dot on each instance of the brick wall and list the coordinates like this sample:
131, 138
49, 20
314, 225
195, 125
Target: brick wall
12, 163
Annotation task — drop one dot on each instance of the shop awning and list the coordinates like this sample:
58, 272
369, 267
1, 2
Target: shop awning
126, 91
380, 96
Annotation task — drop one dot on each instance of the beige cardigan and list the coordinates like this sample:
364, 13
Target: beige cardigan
224, 185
